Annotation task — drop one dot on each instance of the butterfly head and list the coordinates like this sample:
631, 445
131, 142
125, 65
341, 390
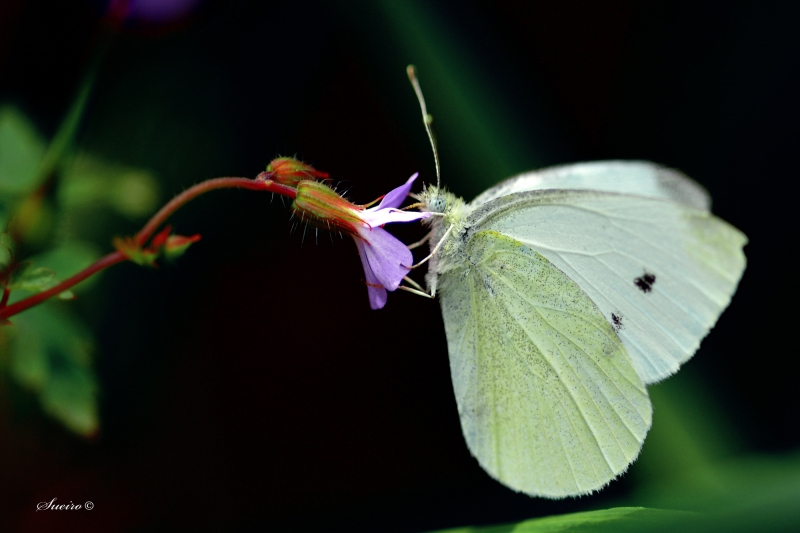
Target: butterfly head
446, 205
434, 199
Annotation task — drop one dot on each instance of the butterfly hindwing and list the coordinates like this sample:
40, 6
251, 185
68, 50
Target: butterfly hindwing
549, 401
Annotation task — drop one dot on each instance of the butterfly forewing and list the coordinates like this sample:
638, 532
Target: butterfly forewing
636, 178
550, 403
661, 272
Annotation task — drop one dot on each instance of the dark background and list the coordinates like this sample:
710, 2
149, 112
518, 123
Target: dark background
250, 385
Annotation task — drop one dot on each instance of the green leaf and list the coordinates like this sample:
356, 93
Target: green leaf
761, 494
615, 520
39, 274
34, 279
21, 152
50, 353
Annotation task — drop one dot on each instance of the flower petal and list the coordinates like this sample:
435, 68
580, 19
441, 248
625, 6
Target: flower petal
395, 197
379, 217
389, 259
377, 295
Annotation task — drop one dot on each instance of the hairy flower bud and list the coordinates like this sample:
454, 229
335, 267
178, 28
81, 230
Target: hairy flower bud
290, 171
320, 205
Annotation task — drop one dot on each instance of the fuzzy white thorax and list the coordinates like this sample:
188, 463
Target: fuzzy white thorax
453, 212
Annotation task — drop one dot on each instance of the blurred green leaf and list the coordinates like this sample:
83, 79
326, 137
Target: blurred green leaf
619, 519
763, 497
89, 181
135, 194
755, 493
21, 152
70, 258
33, 278
71, 397
33, 220
6, 249
50, 353
7, 242
68, 128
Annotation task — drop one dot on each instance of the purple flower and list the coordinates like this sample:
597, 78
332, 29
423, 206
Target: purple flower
386, 260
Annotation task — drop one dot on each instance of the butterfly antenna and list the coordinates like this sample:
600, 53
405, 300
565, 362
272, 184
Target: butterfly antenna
427, 119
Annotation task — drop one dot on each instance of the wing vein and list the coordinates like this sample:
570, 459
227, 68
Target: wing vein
558, 398
571, 367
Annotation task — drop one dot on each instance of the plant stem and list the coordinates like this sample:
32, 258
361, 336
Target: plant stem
203, 187
144, 234
111, 259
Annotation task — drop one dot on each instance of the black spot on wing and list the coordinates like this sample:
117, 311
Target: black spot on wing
645, 282
616, 321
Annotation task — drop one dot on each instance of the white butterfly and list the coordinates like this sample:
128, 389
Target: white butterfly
564, 292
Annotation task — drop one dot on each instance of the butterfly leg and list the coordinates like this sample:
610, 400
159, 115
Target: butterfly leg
436, 248
413, 283
420, 242
415, 291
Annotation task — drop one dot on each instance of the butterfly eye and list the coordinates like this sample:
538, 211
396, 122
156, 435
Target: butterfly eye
438, 204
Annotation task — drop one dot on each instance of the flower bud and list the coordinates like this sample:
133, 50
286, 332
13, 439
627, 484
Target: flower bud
318, 204
135, 252
175, 245
290, 171
163, 243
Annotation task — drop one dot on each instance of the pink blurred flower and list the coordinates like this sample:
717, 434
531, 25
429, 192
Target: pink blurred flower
152, 12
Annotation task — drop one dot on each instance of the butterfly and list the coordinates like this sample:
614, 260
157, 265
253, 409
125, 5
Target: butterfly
564, 293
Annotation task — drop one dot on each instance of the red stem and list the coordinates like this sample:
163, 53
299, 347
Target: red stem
146, 232
203, 187
111, 259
